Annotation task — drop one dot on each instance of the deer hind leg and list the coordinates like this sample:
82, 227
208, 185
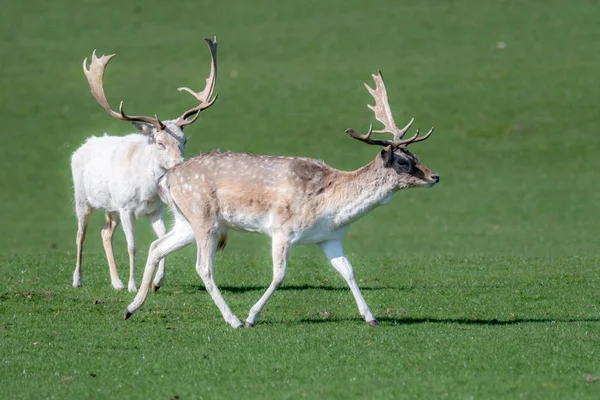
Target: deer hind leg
335, 254
128, 222
158, 225
112, 221
83, 211
280, 253
180, 236
207, 246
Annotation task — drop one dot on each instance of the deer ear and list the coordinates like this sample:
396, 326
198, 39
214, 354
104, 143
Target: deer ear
387, 155
144, 129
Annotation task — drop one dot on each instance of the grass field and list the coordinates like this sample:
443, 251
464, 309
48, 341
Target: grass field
486, 286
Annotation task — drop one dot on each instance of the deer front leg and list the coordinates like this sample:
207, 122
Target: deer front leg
180, 236
158, 225
207, 246
128, 222
280, 253
335, 254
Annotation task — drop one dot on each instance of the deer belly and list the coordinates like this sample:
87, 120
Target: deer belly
247, 223
319, 234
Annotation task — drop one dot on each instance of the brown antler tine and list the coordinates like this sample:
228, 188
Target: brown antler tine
193, 119
414, 139
424, 136
358, 136
160, 123
123, 115
402, 131
204, 96
366, 138
155, 122
406, 142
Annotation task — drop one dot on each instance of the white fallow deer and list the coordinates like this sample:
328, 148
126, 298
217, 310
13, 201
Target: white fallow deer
293, 200
119, 174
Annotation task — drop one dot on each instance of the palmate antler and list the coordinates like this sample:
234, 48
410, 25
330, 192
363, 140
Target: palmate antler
95, 77
205, 95
383, 114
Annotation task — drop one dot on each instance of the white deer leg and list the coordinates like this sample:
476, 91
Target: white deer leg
84, 211
207, 246
280, 253
158, 225
112, 221
128, 222
180, 236
335, 253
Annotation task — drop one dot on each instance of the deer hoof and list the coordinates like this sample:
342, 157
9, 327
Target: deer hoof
127, 314
118, 285
155, 287
248, 325
373, 323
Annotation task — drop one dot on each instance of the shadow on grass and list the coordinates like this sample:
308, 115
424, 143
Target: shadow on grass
256, 288
461, 321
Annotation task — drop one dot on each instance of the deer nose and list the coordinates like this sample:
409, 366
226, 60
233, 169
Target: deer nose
435, 177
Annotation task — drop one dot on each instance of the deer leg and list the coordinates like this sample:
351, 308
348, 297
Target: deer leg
128, 222
207, 247
335, 254
112, 221
83, 211
180, 236
158, 225
280, 253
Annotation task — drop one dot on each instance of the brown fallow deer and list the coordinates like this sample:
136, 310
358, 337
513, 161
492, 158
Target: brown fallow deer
119, 174
293, 200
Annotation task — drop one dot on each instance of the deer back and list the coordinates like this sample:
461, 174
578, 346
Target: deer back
251, 192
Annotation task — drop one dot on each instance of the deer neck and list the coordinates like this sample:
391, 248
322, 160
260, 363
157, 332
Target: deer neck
358, 192
148, 159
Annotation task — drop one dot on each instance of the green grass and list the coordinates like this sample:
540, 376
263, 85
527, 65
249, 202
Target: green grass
484, 327
486, 286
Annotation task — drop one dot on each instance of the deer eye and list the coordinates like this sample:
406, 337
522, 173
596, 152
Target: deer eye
402, 162
160, 145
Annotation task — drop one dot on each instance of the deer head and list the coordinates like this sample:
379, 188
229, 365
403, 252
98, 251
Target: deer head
167, 137
402, 166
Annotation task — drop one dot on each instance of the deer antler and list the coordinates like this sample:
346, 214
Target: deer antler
95, 77
204, 97
383, 114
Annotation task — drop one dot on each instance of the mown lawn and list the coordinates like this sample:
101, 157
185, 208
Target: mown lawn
486, 286
450, 327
